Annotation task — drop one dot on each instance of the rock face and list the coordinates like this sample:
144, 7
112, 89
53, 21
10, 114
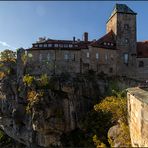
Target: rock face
41, 122
138, 116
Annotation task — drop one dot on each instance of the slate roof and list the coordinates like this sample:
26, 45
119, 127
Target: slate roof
103, 41
122, 8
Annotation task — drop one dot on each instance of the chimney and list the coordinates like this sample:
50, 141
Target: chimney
74, 39
85, 36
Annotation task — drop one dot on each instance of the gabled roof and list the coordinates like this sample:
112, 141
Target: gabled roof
142, 49
122, 8
103, 41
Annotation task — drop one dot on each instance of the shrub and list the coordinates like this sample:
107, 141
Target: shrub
28, 80
2, 75
44, 80
118, 109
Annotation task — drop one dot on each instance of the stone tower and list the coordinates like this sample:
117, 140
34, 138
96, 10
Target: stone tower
123, 23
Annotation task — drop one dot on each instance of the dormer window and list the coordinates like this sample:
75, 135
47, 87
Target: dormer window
66, 45
70, 45
45, 45
60, 45
49, 45
55, 45
40, 45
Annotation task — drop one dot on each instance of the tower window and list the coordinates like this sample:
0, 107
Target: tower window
141, 64
126, 26
125, 58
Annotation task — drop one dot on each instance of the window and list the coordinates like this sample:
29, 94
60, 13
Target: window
76, 45
97, 56
112, 44
87, 54
108, 43
66, 45
111, 70
55, 45
126, 40
106, 57
40, 57
45, 45
70, 45
40, 45
66, 56
49, 45
60, 45
125, 58
48, 56
104, 43
126, 26
36, 45
141, 64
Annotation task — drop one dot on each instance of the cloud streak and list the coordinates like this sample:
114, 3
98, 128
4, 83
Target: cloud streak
4, 44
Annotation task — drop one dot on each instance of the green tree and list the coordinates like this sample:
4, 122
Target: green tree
8, 56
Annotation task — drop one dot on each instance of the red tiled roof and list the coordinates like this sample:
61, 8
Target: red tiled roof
107, 38
142, 49
79, 44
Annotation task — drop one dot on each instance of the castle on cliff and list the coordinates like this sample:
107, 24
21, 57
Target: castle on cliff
116, 53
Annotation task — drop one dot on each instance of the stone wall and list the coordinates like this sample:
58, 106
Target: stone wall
138, 116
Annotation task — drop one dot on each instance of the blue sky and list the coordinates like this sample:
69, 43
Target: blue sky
23, 22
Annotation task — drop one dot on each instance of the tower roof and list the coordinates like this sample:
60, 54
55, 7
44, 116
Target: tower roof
122, 8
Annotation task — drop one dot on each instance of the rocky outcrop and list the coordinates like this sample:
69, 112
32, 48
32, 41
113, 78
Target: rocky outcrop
42, 121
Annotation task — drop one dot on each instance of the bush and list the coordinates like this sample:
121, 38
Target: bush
28, 80
118, 109
44, 80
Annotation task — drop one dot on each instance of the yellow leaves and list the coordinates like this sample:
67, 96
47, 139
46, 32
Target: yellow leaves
98, 143
116, 106
2, 75
28, 80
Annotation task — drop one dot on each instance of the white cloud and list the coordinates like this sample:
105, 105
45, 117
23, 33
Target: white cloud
4, 44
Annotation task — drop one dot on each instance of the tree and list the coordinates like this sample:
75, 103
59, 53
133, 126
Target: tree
8, 56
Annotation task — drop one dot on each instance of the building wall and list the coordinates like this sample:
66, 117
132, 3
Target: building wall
54, 61
142, 71
138, 116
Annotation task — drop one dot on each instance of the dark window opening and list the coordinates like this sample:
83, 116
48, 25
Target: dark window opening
141, 64
126, 26
111, 70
